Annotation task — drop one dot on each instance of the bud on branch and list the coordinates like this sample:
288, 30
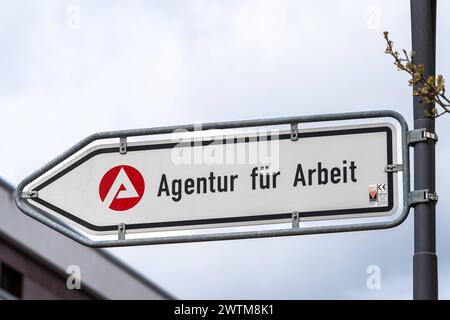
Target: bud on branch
431, 89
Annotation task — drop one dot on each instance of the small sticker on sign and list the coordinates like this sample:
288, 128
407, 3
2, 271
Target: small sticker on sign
378, 195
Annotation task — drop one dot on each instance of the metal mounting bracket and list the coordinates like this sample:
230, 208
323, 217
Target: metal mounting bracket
393, 168
419, 135
123, 145
122, 230
29, 194
294, 131
295, 220
422, 196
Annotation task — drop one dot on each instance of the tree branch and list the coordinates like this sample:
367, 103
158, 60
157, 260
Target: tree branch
431, 90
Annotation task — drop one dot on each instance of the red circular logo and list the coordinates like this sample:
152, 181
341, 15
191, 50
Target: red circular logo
121, 188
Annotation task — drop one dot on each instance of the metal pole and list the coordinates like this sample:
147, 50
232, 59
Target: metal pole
425, 282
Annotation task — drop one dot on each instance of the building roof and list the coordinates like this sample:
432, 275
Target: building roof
101, 272
6, 185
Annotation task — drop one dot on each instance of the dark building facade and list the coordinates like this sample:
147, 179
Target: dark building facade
25, 276
34, 261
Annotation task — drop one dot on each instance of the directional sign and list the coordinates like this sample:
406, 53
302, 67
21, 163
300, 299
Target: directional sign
231, 180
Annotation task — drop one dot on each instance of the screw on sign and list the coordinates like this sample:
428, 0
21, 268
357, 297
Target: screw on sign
121, 188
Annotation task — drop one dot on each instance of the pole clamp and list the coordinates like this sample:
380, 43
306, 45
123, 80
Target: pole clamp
419, 135
123, 145
294, 131
393, 168
29, 195
422, 196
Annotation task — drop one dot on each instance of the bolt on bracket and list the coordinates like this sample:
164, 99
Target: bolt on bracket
419, 135
29, 194
393, 167
123, 145
294, 131
422, 196
122, 230
295, 220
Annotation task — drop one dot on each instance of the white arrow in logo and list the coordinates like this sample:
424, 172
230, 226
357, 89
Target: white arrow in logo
122, 188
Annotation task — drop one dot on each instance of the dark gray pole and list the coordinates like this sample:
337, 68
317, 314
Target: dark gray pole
423, 28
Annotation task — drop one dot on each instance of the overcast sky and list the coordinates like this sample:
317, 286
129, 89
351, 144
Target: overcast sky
120, 65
